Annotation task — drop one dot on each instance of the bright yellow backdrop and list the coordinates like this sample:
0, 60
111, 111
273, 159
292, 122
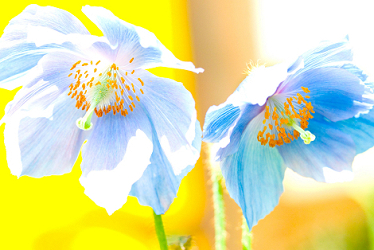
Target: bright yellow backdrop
53, 212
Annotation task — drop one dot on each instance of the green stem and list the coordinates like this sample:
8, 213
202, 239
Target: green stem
246, 236
160, 232
366, 202
219, 208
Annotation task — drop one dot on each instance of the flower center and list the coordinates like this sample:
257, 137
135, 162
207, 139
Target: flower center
284, 122
102, 91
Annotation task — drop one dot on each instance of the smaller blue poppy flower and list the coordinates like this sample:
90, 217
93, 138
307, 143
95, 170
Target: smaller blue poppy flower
311, 115
141, 130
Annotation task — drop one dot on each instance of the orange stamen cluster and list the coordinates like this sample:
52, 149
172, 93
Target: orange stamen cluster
83, 83
285, 117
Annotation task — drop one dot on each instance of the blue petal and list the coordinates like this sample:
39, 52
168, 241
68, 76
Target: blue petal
159, 184
108, 141
224, 124
335, 93
357, 72
24, 41
219, 120
254, 175
328, 53
41, 146
53, 18
361, 130
171, 110
247, 114
176, 138
115, 156
299, 63
332, 148
134, 42
42, 88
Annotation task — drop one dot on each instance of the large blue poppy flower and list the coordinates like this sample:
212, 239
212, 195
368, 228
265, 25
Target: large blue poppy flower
141, 130
311, 116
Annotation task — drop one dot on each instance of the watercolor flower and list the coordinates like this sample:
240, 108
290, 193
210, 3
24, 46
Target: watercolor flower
312, 116
141, 130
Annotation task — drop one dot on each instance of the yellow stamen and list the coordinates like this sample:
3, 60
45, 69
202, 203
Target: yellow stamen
83, 90
140, 80
283, 118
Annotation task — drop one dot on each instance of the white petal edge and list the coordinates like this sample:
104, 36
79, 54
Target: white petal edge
37, 35
148, 39
259, 85
332, 176
20, 79
11, 141
186, 155
109, 188
13, 151
35, 112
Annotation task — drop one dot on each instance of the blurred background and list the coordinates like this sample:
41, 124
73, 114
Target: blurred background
221, 37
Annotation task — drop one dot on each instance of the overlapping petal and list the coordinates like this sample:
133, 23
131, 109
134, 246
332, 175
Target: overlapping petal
38, 113
166, 114
225, 123
254, 175
219, 120
328, 53
229, 130
115, 155
159, 184
360, 129
335, 93
34, 33
131, 41
44, 87
40, 146
247, 114
171, 110
332, 148
260, 84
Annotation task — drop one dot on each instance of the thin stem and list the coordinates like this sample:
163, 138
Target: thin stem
160, 231
246, 236
218, 204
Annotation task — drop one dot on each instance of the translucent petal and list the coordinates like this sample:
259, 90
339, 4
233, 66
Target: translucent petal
254, 175
131, 41
41, 89
225, 124
328, 53
260, 84
361, 130
219, 120
110, 186
331, 148
171, 110
159, 184
41, 146
335, 93
36, 32
115, 155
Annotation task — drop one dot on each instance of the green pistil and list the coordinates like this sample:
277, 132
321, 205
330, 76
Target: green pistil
85, 122
100, 93
307, 136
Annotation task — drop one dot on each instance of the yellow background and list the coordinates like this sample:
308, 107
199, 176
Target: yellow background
53, 212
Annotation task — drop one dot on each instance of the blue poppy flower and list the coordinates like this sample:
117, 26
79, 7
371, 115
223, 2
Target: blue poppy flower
141, 130
311, 115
